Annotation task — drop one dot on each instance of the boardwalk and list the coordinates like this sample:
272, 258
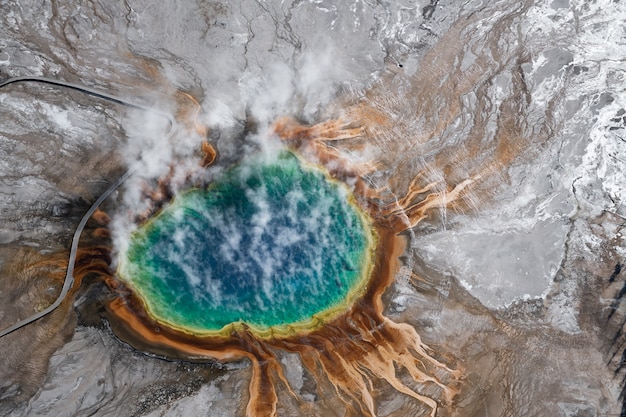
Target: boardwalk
69, 276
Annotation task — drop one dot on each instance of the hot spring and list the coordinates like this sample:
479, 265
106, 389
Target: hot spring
273, 244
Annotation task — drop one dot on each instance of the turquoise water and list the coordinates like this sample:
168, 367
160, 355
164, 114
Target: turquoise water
271, 243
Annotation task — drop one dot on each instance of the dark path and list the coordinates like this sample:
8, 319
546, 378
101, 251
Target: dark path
69, 276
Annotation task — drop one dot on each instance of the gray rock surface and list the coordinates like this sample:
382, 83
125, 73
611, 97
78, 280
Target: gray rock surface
525, 288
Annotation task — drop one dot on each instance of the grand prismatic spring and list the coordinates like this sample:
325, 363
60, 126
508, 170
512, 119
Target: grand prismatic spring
278, 254
312, 208
271, 246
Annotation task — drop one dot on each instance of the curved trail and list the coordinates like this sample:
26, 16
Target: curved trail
90, 91
69, 275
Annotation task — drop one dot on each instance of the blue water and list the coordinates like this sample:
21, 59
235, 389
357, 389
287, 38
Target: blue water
271, 243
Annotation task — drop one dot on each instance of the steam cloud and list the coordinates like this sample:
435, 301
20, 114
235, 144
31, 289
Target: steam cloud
302, 87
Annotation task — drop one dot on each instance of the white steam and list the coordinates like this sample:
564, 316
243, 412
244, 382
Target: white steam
301, 86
